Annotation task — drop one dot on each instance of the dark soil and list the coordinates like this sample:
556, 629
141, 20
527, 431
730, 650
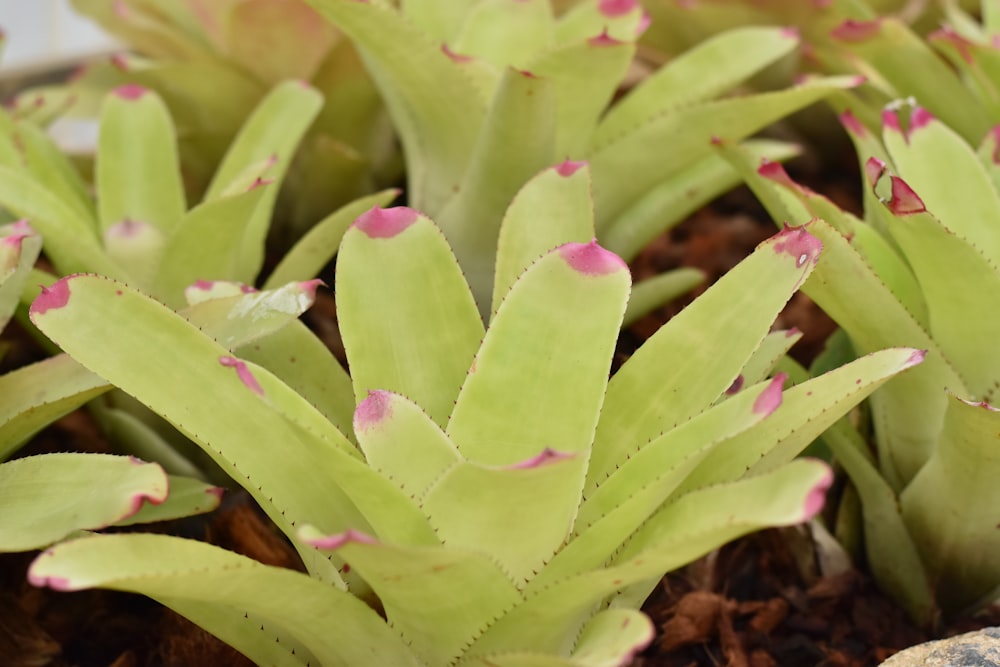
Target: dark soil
758, 602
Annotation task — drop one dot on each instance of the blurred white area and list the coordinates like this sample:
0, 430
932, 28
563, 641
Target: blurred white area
47, 33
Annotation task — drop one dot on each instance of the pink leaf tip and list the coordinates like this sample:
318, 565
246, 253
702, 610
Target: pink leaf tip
309, 287
790, 32
545, 457
126, 229
334, 542
376, 407
920, 118
455, 57
917, 357
798, 243
735, 387
905, 200
852, 124
569, 167
591, 259
770, 399
890, 120
612, 8
604, 39
384, 223
775, 171
874, 170
243, 373
54, 296
130, 91
856, 31
816, 497
43, 581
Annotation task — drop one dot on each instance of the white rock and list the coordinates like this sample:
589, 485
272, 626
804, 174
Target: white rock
973, 649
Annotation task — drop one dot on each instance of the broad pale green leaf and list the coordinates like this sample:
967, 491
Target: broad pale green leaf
701, 74
207, 244
516, 142
296, 478
628, 165
318, 246
70, 240
950, 506
551, 619
426, 591
585, 76
440, 19
643, 484
436, 109
611, 638
407, 318
961, 198
807, 410
963, 300
402, 443
217, 584
891, 554
551, 209
47, 497
34, 396
185, 497
490, 26
522, 515
847, 289
771, 350
680, 195
539, 379
137, 171
50, 166
700, 351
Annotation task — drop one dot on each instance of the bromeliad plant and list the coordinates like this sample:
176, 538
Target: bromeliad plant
485, 94
920, 269
45, 498
496, 500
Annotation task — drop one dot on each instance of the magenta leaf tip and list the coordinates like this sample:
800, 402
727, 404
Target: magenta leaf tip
905, 200
545, 457
816, 497
591, 259
384, 223
769, 400
243, 373
569, 167
798, 243
373, 409
613, 8
130, 91
54, 296
856, 31
338, 540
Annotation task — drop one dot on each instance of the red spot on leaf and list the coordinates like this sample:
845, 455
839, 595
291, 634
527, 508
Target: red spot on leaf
856, 31
616, 7
798, 243
130, 91
54, 296
591, 259
376, 407
384, 223
545, 457
243, 373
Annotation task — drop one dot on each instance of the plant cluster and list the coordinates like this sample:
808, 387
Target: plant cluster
478, 487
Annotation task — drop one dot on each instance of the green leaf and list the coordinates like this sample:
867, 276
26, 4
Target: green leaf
309, 473
137, 171
425, 591
539, 378
19, 249
551, 619
516, 142
207, 244
186, 497
440, 19
591, 18
402, 443
950, 507
217, 586
963, 197
629, 164
700, 350
703, 73
659, 290
489, 25
318, 246
47, 497
407, 318
551, 209
34, 396
436, 109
